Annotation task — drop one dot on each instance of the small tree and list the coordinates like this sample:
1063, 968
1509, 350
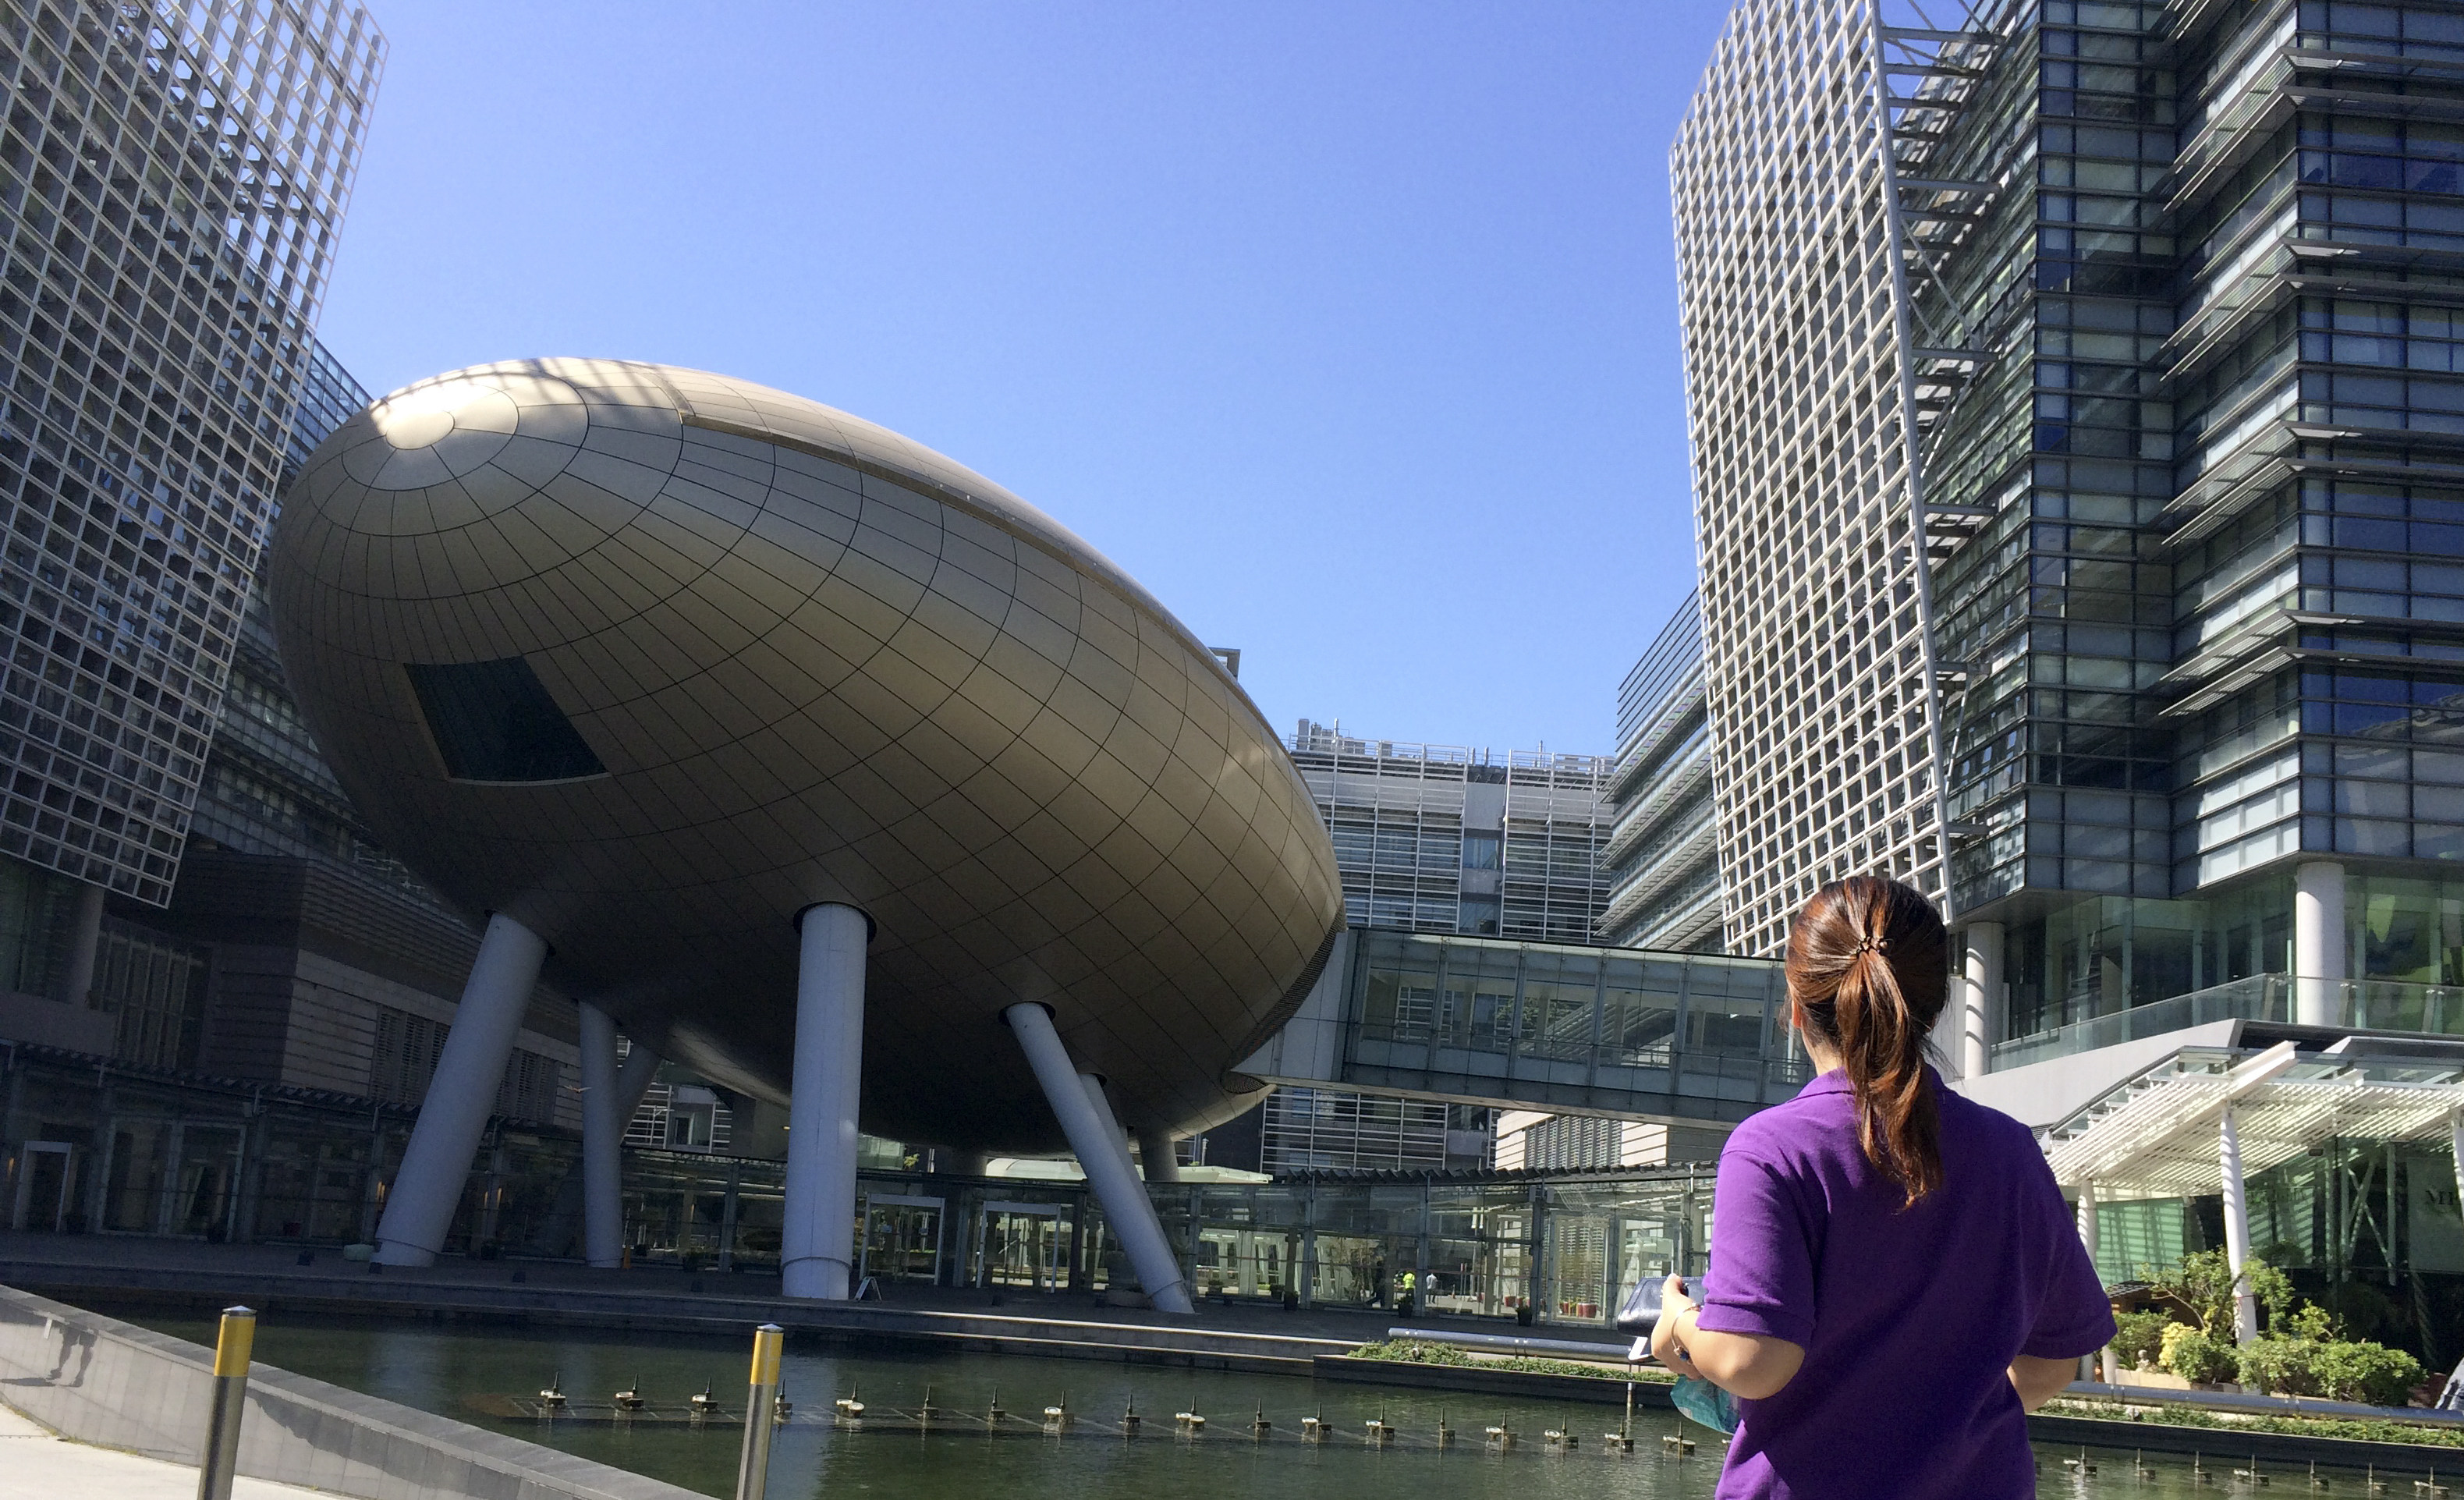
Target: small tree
2201, 1289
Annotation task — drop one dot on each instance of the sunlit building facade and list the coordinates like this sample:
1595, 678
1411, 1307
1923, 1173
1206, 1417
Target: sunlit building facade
173, 185
2078, 447
1663, 850
2093, 558
1444, 839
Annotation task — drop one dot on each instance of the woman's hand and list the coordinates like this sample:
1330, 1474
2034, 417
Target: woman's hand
1665, 1346
1753, 1365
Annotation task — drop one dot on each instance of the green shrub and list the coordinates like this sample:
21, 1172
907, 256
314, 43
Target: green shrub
2195, 1356
2284, 1366
2312, 1322
2366, 1372
2139, 1338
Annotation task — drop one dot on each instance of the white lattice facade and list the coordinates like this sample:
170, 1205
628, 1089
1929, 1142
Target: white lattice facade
1813, 597
172, 182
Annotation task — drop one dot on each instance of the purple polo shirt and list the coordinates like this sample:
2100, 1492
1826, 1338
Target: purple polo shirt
1909, 1317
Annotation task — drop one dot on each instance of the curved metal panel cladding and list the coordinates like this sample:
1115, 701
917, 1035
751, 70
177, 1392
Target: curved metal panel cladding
807, 660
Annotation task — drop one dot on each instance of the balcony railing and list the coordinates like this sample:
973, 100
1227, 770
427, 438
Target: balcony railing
2360, 1005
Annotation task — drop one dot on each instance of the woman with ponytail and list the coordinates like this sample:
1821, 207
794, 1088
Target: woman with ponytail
1895, 1281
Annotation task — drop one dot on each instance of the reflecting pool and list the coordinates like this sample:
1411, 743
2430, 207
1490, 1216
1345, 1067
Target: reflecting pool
479, 1377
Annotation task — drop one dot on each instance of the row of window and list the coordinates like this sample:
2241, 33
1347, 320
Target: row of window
2352, 26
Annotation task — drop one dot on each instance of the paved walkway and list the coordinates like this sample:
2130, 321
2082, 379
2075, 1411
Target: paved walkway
113, 1268
38, 1463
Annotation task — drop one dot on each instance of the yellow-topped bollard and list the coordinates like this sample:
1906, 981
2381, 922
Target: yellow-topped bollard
753, 1467
232, 1347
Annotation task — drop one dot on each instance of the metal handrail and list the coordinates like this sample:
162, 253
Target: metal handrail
2360, 1005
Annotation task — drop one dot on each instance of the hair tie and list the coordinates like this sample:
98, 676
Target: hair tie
1868, 945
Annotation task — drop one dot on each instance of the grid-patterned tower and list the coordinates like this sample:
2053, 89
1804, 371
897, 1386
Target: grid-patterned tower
1794, 179
172, 181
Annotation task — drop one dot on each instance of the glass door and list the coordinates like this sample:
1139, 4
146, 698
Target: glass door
208, 1183
42, 1186
902, 1239
1022, 1245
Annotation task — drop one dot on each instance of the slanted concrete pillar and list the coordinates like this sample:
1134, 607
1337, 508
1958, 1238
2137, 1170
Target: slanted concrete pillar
602, 1136
1981, 999
74, 982
1159, 1155
2238, 1232
436, 1163
1095, 1140
1102, 1104
2318, 942
817, 1252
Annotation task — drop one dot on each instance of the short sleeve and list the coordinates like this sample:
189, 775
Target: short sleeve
2074, 1316
1761, 1279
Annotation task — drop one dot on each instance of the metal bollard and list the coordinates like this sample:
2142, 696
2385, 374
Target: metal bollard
232, 1348
753, 1470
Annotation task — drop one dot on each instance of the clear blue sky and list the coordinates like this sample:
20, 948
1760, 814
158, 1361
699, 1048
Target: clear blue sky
1349, 329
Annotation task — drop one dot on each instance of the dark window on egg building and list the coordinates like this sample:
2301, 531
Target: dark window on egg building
494, 721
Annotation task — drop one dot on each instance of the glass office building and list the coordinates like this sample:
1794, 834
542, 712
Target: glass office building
1663, 848
2080, 484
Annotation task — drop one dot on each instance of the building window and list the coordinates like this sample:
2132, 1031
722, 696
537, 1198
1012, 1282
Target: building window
404, 1055
530, 1087
494, 721
156, 991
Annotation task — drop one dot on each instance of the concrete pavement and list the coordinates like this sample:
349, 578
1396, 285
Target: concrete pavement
38, 1463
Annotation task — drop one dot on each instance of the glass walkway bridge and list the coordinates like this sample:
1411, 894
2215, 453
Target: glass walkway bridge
1678, 1038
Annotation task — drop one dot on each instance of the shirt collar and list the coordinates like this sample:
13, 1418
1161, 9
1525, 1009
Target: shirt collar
1836, 1081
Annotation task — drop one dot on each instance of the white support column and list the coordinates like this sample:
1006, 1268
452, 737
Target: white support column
2087, 1237
1980, 1007
1094, 1139
2318, 942
817, 1251
419, 1209
2455, 1140
602, 1136
2238, 1232
1113, 1131
1159, 1155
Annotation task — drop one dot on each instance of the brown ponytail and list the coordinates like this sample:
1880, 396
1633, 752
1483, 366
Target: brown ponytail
1865, 970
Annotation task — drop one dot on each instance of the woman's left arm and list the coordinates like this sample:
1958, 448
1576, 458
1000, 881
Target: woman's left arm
1751, 1366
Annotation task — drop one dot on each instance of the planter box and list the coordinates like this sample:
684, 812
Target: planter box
2154, 1379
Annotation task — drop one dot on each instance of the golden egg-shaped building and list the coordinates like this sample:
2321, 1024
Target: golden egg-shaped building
652, 661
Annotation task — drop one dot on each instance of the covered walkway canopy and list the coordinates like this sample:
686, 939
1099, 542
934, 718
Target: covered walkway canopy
2157, 1136
2204, 1119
